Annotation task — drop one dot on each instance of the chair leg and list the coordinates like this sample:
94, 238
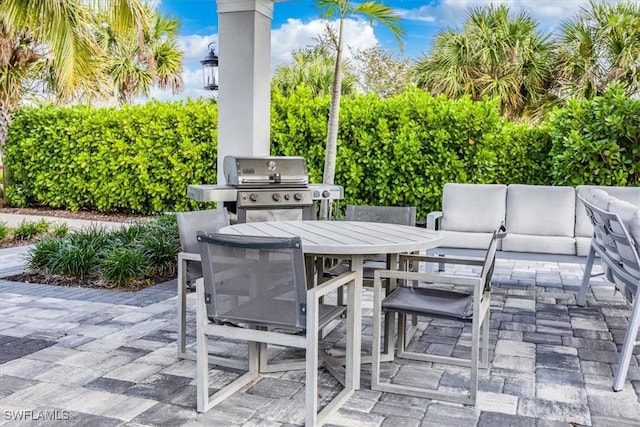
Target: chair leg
485, 341
202, 353
475, 355
182, 308
585, 278
311, 357
627, 348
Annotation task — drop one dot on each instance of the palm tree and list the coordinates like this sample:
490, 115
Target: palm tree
599, 46
134, 67
373, 11
313, 68
494, 55
51, 39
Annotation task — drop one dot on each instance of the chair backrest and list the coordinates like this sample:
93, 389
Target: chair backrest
254, 279
402, 215
490, 257
207, 221
190, 223
616, 247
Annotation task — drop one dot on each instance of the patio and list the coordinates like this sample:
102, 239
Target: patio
106, 358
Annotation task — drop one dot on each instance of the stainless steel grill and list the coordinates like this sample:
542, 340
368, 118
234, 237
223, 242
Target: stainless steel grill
266, 189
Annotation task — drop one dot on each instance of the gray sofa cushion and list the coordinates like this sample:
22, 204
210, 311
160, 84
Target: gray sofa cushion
583, 244
460, 239
473, 207
541, 211
583, 224
560, 245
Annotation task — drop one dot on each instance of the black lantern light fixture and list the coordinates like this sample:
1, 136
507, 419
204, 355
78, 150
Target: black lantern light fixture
210, 69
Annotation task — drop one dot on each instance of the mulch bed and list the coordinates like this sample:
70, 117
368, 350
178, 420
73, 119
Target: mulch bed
81, 214
71, 282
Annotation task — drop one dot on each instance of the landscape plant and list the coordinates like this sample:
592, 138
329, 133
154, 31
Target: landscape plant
597, 141
393, 151
4, 231
497, 54
136, 159
131, 257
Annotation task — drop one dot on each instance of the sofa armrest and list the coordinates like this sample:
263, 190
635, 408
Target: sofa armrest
433, 220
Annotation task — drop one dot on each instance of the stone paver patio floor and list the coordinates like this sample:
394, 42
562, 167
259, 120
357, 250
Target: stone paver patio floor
106, 358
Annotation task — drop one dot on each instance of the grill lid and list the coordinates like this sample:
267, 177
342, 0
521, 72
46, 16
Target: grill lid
266, 171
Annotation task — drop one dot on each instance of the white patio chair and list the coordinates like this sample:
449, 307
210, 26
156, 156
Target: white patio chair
259, 284
190, 270
436, 296
616, 238
402, 215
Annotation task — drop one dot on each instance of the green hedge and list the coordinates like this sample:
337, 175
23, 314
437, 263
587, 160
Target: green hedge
402, 150
597, 141
136, 159
394, 151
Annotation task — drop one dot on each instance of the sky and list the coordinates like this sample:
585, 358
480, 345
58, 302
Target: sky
296, 24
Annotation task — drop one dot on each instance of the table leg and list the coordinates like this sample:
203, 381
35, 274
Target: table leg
354, 299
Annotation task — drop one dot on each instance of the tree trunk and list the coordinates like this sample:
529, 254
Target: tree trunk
332, 126
5, 121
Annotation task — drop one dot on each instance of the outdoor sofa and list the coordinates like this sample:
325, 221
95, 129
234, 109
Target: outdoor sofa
547, 223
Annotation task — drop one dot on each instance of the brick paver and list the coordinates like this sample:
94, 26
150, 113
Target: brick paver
107, 358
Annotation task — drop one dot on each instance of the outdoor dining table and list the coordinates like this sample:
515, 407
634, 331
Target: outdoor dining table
351, 240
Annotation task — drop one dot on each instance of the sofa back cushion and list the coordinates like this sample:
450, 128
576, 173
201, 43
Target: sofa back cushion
541, 210
473, 207
584, 227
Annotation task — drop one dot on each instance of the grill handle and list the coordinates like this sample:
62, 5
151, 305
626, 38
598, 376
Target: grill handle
269, 181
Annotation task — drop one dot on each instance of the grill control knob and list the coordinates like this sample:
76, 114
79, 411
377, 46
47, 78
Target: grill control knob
276, 197
253, 197
297, 196
316, 194
287, 197
326, 193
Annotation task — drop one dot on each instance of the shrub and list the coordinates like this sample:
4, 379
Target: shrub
143, 252
134, 159
75, 260
597, 141
28, 230
394, 151
4, 231
44, 254
121, 266
160, 244
60, 229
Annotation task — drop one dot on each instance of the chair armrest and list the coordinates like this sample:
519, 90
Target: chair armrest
189, 256
333, 284
426, 277
433, 220
441, 260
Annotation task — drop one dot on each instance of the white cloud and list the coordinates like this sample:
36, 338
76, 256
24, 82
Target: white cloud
292, 35
295, 34
195, 47
452, 13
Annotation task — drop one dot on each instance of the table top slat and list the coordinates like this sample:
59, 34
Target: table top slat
344, 237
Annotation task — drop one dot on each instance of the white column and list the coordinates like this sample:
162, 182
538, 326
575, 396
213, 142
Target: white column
244, 33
